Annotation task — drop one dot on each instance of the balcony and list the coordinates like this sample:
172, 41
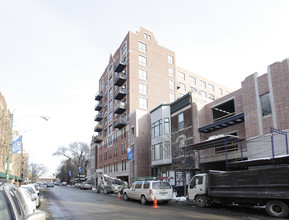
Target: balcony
226, 122
98, 107
97, 139
98, 117
120, 93
99, 96
120, 79
120, 108
120, 67
119, 123
98, 128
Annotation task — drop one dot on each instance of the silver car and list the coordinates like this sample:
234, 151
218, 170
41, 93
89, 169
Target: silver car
147, 190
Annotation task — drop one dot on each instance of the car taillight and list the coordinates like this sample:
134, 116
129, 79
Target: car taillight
150, 191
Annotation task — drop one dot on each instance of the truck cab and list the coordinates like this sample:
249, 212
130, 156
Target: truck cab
197, 189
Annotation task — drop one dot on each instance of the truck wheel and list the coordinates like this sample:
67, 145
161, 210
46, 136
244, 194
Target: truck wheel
125, 197
201, 201
277, 208
143, 200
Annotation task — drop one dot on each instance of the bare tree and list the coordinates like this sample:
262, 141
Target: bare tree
183, 159
77, 152
37, 171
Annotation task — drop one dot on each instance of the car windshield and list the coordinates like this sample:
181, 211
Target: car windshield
4, 209
161, 185
30, 189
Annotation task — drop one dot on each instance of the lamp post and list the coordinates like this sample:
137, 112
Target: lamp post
10, 144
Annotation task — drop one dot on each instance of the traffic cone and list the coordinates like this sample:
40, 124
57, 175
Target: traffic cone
155, 206
118, 197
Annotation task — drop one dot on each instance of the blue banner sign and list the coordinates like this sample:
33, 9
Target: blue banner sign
17, 144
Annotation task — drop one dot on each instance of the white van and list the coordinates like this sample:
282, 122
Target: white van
147, 190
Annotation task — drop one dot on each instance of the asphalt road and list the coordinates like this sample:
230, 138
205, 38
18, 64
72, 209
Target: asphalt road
63, 202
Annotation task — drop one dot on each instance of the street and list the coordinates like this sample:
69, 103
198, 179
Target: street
65, 202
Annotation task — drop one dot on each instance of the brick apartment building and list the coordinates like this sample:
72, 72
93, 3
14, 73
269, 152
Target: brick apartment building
241, 130
18, 161
139, 76
5, 123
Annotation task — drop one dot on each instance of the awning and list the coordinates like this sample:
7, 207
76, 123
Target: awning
218, 141
3, 176
283, 159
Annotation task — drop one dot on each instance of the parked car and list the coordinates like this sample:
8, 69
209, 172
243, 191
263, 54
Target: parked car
50, 184
33, 193
86, 185
13, 205
63, 183
29, 200
77, 185
147, 190
35, 186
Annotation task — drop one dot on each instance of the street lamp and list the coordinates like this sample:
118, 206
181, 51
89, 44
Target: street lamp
10, 144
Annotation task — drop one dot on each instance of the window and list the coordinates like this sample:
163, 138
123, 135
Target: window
211, 96
192, 80
142, 60
182, 86
220, 91
157, 128
167, 150
265, 104
170, 59
171, 72
223, 110
143, 103
110, 104
180, 95
138, 185
110, 69
142, 74
193, 89
172, 84
203, 93
181, 75
110, 81
180, 121
202, 84
146, 185
105, 87
123, 49
142, 47
110, 116
142, 88
110, 93
157, 151
167, 125
211, 87
172, 97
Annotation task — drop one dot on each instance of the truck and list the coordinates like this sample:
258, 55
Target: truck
109, 184
267, 187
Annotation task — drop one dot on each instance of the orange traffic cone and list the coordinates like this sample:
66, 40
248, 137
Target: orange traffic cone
155, 206
118, 197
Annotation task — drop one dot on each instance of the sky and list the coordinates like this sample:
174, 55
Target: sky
52, 54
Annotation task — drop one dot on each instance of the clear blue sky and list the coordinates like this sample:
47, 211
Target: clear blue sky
53, 52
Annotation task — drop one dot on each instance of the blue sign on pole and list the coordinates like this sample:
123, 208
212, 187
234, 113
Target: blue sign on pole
79, 169
129, 153
17, 144
69, 173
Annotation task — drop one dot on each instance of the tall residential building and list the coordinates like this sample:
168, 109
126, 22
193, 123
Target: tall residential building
139, 76
5, 123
